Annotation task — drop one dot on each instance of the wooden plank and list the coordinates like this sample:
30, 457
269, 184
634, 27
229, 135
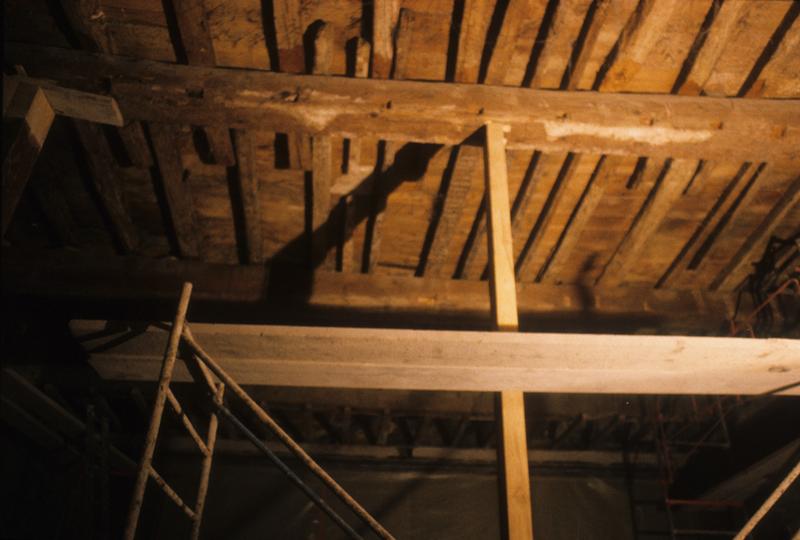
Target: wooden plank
68, 276
477, 15
458, 360
776, 79
734, 197
68, 102
565, 193
752, 247
655, 126
105, 178
610, 17
460, 183
655, 208
22, 153
736, 207
176, 189
249, 192
723, 27
754, 28
561, 39
512, 51
593, 194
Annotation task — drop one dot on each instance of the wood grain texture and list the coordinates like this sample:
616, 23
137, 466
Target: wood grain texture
656, 126
502, 279
445, 360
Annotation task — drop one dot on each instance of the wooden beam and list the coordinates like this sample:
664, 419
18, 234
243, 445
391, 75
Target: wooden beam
503, 291
653, 125
458, 360
356, 298
176, 189
105, 178
21, 156
248, 190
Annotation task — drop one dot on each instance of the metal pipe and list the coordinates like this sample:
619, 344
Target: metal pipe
287, 471
284, 437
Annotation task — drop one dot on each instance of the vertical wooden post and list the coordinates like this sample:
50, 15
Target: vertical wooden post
503, 291
145, 465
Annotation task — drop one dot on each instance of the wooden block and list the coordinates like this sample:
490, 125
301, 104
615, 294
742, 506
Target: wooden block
19, 161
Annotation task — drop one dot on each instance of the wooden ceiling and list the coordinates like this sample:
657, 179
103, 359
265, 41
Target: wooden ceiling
226, 195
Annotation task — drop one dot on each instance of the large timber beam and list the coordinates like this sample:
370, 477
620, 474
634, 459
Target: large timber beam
608, 123
283, 295
457, 360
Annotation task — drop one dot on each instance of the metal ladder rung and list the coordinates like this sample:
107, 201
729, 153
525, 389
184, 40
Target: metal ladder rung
167, 489
176, 406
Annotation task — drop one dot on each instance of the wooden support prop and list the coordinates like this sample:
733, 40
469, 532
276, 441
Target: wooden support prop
502, 283
681, 127
19, 161
145, 466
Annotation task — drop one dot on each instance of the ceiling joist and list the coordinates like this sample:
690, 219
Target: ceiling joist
627, 124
